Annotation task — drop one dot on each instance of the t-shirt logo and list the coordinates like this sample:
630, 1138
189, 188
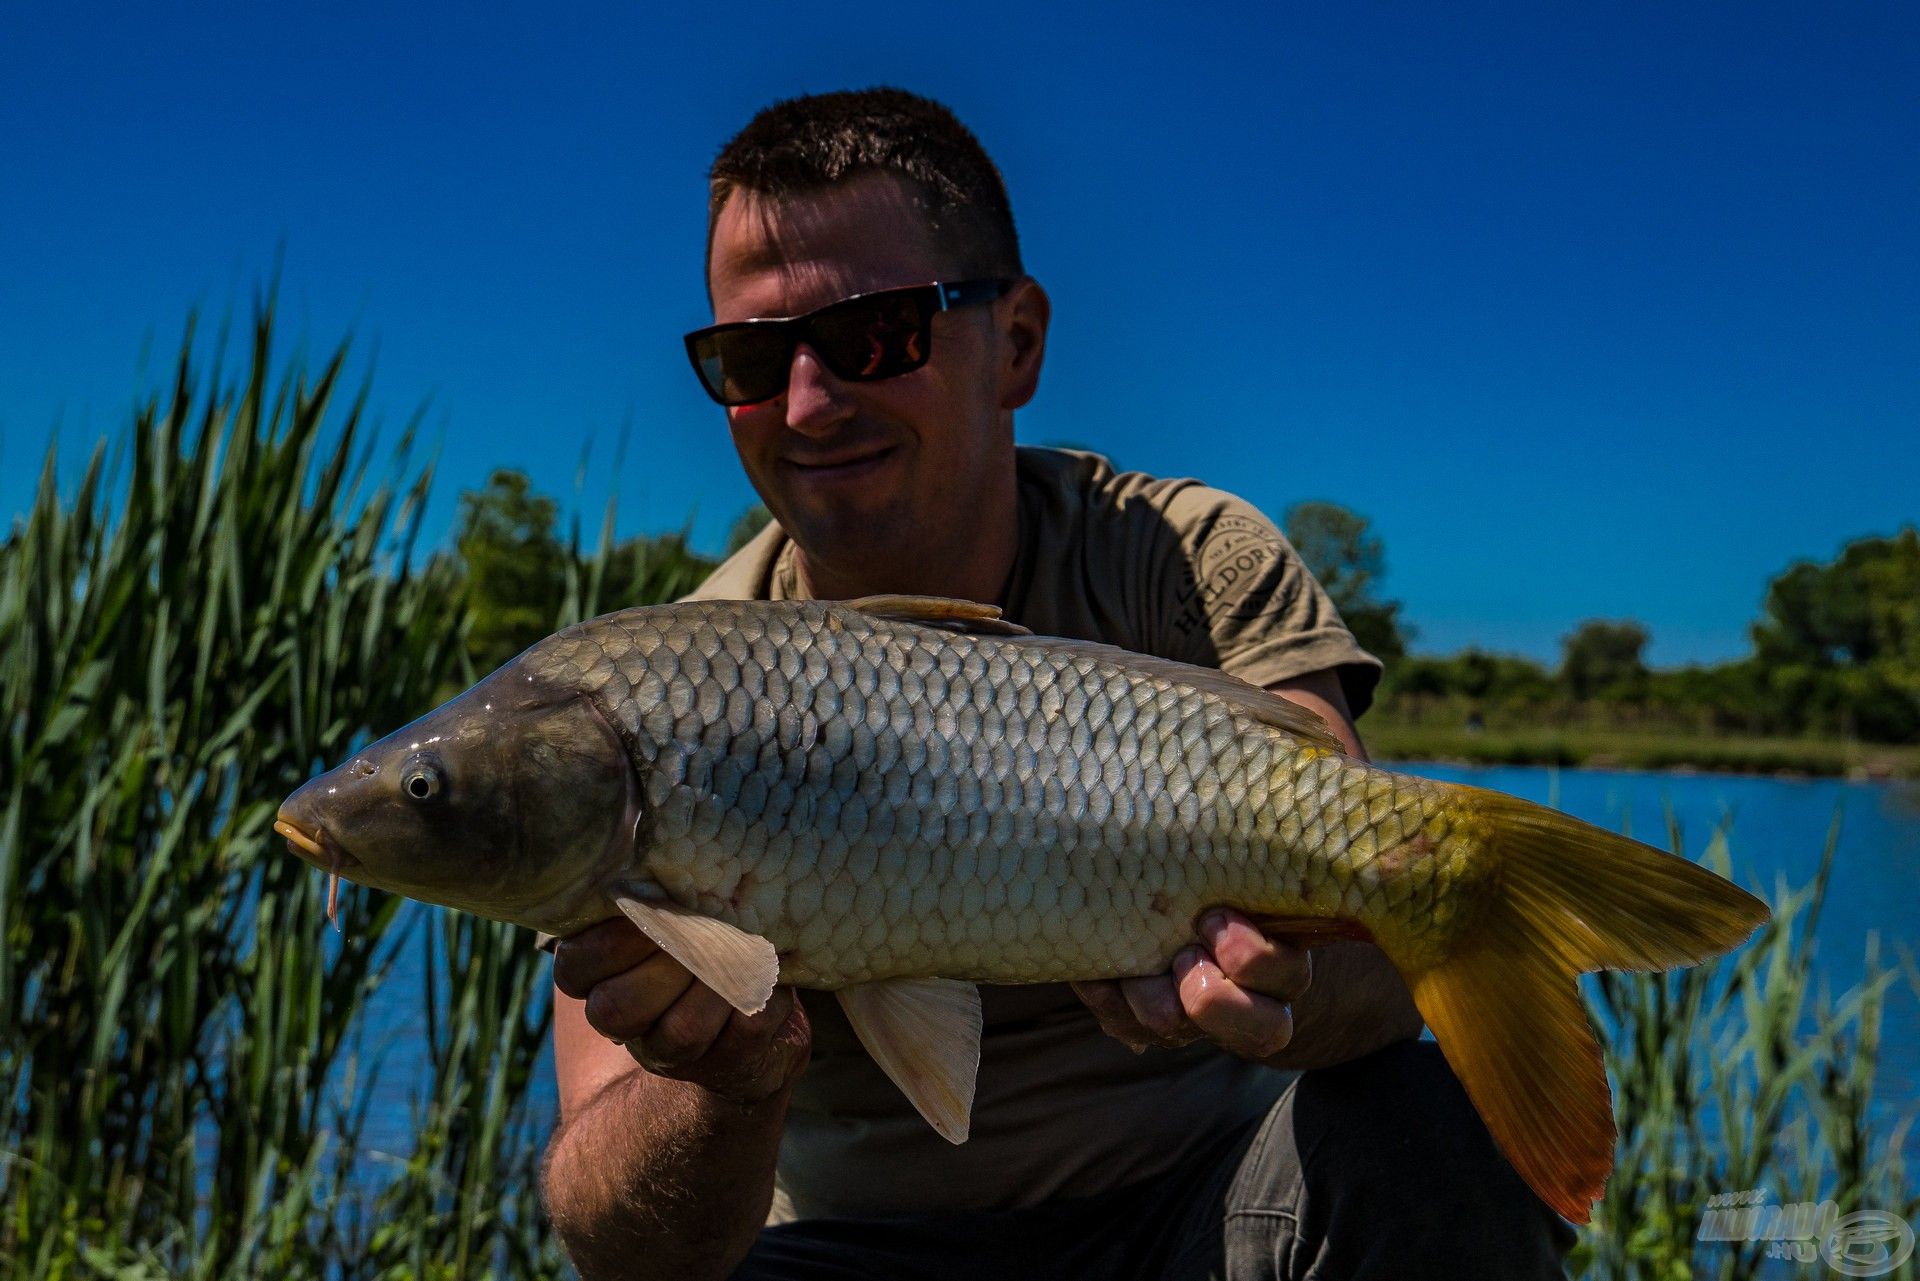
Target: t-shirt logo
1230, 579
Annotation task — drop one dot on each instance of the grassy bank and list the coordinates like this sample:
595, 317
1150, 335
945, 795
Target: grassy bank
1392, 738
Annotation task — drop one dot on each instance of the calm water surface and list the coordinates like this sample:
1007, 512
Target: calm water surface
1779, 827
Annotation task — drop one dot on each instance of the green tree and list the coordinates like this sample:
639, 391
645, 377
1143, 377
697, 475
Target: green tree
1864, 608
1605, 660
1350, 563
1839, 644
515, 566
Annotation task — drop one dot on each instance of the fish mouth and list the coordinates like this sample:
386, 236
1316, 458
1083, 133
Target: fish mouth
322, 851
316, 846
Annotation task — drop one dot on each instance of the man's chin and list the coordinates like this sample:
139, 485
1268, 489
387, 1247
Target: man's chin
853, 532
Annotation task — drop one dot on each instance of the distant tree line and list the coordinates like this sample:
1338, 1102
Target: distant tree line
1836, 653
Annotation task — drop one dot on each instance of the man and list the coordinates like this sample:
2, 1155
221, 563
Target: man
1151, 1127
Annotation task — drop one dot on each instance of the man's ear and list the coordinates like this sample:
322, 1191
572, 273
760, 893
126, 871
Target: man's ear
1028, 310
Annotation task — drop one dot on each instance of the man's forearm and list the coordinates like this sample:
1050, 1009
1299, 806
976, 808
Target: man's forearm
659, 1178
1356, 1004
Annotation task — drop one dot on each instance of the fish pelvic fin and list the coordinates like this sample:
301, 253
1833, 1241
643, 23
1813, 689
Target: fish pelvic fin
1566, 898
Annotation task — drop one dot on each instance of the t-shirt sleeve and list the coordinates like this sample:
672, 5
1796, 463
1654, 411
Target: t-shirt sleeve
1235, 595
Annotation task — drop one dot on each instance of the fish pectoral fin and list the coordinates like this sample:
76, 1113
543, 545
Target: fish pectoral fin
741, 967
943, 612
925, 1035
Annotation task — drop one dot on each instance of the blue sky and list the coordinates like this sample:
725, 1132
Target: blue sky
1596, 311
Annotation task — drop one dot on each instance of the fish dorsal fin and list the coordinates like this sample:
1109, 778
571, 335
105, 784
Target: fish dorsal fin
1263, 705
925, 1035
741, 967
943, 612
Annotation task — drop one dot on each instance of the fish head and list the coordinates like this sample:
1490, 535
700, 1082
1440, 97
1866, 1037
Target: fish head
514, 801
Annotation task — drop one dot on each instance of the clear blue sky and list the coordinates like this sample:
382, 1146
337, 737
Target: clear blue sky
1600, 310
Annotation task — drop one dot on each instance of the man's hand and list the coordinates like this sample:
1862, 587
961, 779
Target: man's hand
676, 1026
1236, 988
1259, 998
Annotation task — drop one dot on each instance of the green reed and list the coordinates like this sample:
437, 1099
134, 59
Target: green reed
232, 599
228, 604
1745, 1076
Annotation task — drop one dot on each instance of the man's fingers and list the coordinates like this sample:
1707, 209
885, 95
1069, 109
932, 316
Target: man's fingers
1155, 1002
597, 953
755, 1054
1113, 1007
684, 1033
1111, 1012
1236, 991
625, 1006
1239, 1020
1254, 961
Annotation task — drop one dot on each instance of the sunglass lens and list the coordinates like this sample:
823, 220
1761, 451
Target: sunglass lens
742, 366
874, 337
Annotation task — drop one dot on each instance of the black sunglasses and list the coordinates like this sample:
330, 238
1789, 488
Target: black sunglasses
861, 339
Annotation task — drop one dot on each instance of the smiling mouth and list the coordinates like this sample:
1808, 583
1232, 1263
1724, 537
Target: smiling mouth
843, 466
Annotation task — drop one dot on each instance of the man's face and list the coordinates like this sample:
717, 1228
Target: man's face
855, 470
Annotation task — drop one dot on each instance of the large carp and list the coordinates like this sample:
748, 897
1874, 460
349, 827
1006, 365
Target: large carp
899, 797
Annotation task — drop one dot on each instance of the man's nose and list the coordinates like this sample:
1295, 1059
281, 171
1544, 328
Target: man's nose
816, 399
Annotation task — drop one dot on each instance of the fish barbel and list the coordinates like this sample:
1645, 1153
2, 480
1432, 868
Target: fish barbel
900, 797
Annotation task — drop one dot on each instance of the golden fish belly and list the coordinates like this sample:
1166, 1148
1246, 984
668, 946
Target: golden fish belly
886, 801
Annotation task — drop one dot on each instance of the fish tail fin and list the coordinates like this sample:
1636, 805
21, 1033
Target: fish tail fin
1565, 898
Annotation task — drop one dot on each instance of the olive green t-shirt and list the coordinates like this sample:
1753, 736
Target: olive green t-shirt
1165, 567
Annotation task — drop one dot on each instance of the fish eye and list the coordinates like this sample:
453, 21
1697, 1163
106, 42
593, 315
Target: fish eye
422, 781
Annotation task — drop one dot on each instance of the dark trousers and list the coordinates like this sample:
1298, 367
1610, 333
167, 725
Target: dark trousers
1375, 1168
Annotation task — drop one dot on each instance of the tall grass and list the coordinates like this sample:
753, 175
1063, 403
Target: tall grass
234, 600
1743, 1077
227, 605
185, 638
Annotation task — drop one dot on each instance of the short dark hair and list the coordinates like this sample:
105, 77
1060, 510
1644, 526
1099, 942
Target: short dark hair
801, 145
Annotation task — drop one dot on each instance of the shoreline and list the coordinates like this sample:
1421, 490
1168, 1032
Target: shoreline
1784, 758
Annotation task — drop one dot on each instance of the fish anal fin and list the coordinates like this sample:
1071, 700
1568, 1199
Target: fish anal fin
943, 612
741, 967
925, 1035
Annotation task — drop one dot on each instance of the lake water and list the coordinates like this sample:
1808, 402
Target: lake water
1779, 828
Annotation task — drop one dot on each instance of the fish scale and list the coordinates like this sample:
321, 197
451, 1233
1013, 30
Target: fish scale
965, 753
899, 797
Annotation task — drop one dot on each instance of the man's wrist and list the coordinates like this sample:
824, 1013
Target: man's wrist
751, 1098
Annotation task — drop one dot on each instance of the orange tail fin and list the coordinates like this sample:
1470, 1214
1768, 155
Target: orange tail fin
1567, 898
